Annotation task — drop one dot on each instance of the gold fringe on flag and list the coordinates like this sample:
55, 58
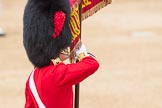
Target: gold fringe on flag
92, 9
89, 7
95, 8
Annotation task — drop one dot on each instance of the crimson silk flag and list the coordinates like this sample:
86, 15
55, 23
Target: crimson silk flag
89, 7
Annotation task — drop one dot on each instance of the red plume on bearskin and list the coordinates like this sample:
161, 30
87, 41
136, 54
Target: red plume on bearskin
59, 19
46, 30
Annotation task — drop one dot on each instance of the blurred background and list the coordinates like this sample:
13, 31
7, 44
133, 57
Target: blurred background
126, 38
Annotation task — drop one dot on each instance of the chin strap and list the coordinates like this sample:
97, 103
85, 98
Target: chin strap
56, 61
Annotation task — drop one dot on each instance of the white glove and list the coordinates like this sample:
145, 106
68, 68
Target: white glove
82, 49
81, 53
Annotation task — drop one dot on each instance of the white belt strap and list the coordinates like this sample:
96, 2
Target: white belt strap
34, 91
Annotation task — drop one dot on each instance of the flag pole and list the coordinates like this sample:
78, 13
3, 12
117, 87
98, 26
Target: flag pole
77, 86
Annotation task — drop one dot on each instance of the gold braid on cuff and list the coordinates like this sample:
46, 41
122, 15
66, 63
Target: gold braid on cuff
81, 56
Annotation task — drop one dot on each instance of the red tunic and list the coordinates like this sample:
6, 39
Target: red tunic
54, 83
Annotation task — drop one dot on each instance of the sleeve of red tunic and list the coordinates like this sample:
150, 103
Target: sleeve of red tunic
75, 73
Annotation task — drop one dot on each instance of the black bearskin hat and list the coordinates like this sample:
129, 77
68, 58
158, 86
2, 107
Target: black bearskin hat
40, 39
